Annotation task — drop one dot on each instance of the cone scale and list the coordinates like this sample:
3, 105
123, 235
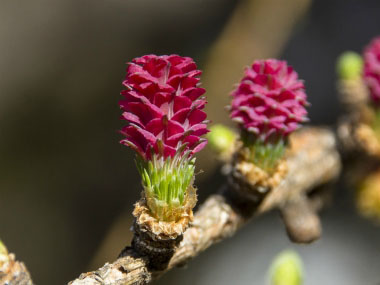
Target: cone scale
371, 71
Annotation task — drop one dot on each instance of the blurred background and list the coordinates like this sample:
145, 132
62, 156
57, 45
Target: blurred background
67, 187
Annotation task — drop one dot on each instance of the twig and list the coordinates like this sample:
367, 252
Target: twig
313, 161
12, 272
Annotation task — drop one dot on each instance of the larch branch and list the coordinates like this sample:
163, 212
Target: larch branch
313, 161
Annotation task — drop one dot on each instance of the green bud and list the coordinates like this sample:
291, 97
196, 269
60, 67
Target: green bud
287, 269
349, 65
221, 138
3, 249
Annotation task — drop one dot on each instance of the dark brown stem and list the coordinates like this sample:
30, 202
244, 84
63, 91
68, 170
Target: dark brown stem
159, 251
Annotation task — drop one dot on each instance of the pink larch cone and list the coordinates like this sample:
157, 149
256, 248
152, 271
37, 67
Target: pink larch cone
163, 106
269, 102
371, 72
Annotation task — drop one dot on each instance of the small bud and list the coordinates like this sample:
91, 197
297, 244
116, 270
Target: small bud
221, 138
349, 65
4, 258
287, 269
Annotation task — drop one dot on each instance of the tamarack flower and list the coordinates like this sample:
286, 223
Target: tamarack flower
163, 107
268, 104
371, 72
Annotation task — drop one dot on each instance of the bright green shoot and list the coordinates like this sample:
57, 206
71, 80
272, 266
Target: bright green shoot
166, 182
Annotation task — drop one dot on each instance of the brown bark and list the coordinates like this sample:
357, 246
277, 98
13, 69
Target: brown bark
301, 220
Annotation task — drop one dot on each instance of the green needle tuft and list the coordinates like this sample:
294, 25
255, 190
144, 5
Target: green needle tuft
166, 182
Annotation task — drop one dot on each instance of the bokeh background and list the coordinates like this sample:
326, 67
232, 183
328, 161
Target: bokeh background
67, 187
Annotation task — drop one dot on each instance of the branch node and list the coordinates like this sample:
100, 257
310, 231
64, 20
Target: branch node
301, 221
